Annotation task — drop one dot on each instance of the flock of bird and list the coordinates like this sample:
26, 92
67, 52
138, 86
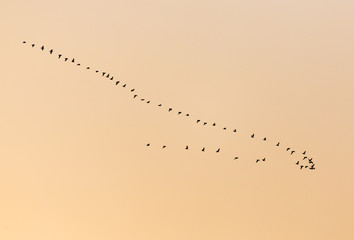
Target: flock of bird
301, 163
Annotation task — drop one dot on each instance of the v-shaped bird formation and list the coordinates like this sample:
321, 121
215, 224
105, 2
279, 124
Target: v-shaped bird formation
304, 163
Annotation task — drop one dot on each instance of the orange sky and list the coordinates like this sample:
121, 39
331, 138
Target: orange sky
73, 160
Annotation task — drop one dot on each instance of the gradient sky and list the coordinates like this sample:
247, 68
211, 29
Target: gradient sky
73, 160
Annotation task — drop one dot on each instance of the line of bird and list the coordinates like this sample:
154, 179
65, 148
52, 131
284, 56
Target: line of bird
170, 109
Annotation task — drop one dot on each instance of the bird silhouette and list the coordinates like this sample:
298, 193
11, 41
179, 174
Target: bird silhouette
235, 158
159, 105
117, 83
252, 136
88, 68
218, 150
135, 96
187, 114
205, 123
111, 78
310, 161
24, 42
287, 149
73, 60
292, 152
97, 71
59, 56
66, 59
214, 124
198, 121
33, 45
148, 144
224, 128
304, 153
265, 139
234, 130
312, 167
103, 73
306, 166
297, 163
143, 99
186, 147
170, 109
132, 90
257, 160
179, 113
304, 158
164, 146
78, 64
263, 159
301, 166
124, 85
203, 149
42, 48
51, 51
148, 101
277, 144
107, 75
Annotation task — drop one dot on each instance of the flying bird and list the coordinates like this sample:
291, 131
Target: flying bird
186, 147
257, 160
304, 158
304, 153
198, 121
203, 149
103, 73
164, 146
187, 114
214, 124
287, 149
66, 59
107, 75
218, 150
306, 166
97, 71
78, 64
252, 136
42, 48
117, 83
170, 109
111, 78
148, 144
205, 123
24, 42
124, 85
263, 159
88, 68
235, 158
143, 99
265, 139
292, 152
224, 128
51, 51
148, 101
159, 105
179, 113
235, 130
59, 56
297, 163
301, 166
33, 45
277, 144
73, 60
135, 96
132, 90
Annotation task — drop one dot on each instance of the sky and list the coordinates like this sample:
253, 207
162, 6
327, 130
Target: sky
73, 157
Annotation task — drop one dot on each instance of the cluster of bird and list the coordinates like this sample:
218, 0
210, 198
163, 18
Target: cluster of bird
310, 165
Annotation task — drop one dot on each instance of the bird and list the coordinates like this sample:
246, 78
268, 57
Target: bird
111, 78
301, 166
103, 73
132, 90
257, 160
170, 109
148, 144
203, 149
312, 167
117, 83
263, 159
277, 144
297, 163
186, 147
224, 128
265, 139
306, 166
159, 105
235, 158
163, 146
187, 114
205, 123
73, 60
42, 48
148, 101
292, 152
135, 96
78, 64
24, 42
33, 45
51, 51
179, 113
97, 71
59, 56
107, 75
304, 158
235, 130
214, 124
66, 59
143, 99
218, 150
198, 121
310, 161
124, 85
304, 153
287, 149
88, 68
252, 136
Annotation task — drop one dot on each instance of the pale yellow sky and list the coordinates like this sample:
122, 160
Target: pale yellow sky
73, 160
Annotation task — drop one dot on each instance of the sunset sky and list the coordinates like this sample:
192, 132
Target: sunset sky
73, 157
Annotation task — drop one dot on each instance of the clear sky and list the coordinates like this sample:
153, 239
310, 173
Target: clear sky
73, 160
